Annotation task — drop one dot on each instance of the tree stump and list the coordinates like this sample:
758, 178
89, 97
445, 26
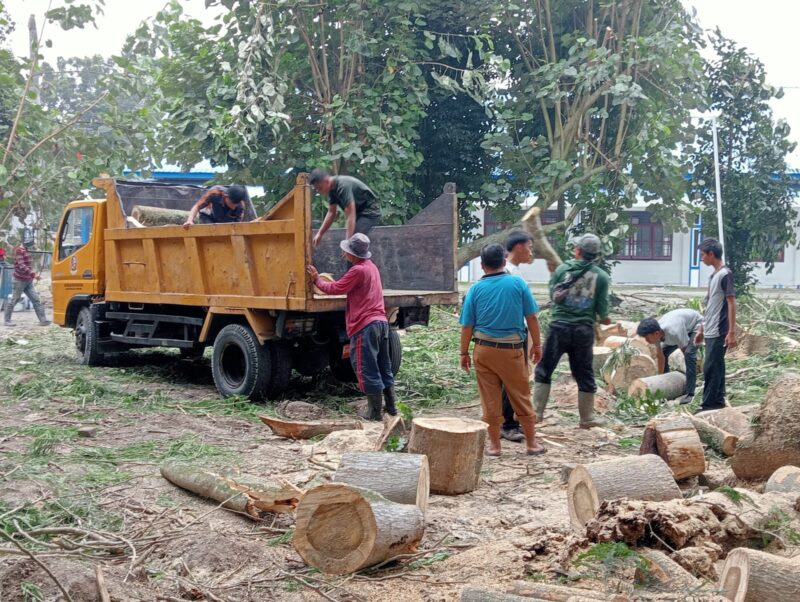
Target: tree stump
454, 447
753, 576
679, 446
730, 420
663, 571
669, 385
639, 366
784, 480
717, 439
340, 529
775, 438
637, 477
400, 478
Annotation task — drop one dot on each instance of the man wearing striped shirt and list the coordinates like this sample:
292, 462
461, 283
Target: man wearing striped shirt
24, 275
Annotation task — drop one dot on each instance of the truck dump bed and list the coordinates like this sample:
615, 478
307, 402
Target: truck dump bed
260, 264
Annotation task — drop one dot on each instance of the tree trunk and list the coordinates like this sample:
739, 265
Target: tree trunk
753, 576
731, 420
559, 593
454, 447
639, 366
158, 216
295, 429
664, 572
530, 222
679, 446
256, 497
340, 528
717, 439
775, 439
471, 594
637, 477
668, 386
400, 478
784, 480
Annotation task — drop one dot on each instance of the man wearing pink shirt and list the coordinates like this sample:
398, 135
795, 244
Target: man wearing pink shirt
367, 325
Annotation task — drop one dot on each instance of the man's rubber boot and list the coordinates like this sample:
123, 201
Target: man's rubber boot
541, 392
389, 399
586, 411
374, 410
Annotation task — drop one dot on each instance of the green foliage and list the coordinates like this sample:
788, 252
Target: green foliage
31, 592
736, 497
629, 442
757, 197
779, 523
393, 444
282, 539
429, 560
636, 409
612, 559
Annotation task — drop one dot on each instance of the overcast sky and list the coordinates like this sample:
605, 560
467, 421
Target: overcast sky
766, 28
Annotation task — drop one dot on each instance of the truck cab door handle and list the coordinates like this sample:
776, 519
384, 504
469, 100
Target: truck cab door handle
87, 274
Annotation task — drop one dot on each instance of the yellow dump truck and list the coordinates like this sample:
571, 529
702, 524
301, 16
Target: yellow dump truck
241, 288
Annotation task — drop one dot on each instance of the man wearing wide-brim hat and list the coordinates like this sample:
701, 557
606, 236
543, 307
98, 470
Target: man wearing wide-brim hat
367, 325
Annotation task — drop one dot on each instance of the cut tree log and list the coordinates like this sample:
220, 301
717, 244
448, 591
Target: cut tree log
601, 332
784, 480
664, 572
636, 477
472, 594
668, 386
753, 576
638, 366
294, 429
731, 420
340, 528
599, 357
717, 439
249, 495
775, 438
560, 593
679, 446
649, 444
454, 447
400, 478
636, 342
158, 216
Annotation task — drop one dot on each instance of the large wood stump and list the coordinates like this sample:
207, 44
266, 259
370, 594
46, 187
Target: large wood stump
637, 477
340, 529
775, 438
401, 478
639, 366
784, 480
678, 444
716, 438
668, 386
454, 447
753, 576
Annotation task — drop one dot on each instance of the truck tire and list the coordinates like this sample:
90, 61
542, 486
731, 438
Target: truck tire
280, 369
239, 364
395, 351
342, 369
87, 333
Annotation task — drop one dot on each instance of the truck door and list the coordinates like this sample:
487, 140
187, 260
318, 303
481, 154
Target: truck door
77, 256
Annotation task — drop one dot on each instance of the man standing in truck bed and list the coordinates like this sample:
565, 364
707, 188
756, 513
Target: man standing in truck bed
359, 203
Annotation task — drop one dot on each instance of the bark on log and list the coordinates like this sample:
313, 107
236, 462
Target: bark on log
603, 332
753, 576
340, 529
784, 480
663, 571
158, 216
639, 477
559, 593
472, 594
649, 444
731, 420
400, 478
390, 423
639, 366
679, 446
251, 496
454, 447
775, 438
670, 385
294, 429
717, 439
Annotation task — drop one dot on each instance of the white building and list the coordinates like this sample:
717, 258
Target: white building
653, 256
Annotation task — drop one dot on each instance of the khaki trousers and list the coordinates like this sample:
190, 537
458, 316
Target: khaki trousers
498, 368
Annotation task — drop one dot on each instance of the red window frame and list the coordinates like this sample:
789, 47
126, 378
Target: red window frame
647, 241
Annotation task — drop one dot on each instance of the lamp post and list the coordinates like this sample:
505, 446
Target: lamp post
716, 178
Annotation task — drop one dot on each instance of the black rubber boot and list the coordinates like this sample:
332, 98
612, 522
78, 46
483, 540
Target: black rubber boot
389, 399
374, 410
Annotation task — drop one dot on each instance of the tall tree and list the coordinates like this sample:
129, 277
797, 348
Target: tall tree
759, 216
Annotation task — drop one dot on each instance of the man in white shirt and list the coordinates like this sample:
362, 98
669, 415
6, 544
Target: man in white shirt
519, 248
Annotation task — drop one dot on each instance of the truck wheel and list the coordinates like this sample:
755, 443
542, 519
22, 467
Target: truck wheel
239, 364
280, 369
395, 351
86, 339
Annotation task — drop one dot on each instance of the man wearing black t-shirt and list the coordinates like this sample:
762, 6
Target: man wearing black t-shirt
356, 199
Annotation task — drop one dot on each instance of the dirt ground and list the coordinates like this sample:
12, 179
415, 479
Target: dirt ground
80, 447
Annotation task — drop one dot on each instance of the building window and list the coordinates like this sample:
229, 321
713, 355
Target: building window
647, 240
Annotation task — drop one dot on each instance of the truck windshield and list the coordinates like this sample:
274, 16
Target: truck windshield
76, 232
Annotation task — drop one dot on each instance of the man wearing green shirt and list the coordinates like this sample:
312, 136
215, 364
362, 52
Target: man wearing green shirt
356, 199
579, 291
